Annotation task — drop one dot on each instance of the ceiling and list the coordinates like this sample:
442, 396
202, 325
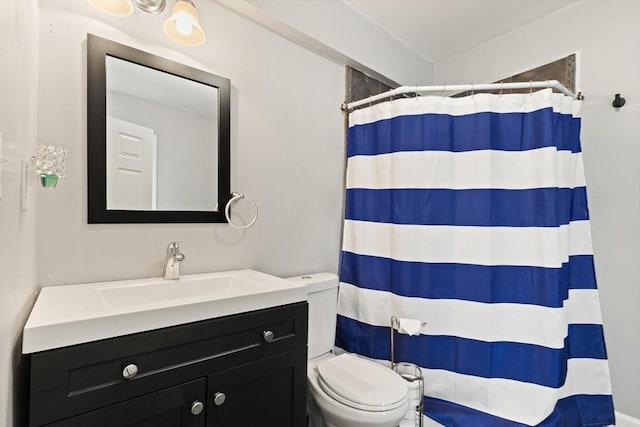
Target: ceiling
437, 29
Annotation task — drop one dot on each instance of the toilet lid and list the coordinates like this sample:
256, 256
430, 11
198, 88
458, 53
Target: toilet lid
361, 383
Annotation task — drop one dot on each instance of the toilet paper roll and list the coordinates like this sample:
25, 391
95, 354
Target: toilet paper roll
409, 326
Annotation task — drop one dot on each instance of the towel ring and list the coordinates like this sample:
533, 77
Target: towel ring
227, 211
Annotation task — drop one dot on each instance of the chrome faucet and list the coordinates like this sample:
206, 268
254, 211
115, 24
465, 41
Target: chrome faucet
174, 258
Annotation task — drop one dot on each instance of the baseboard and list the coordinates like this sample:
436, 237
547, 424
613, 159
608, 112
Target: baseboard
623, 420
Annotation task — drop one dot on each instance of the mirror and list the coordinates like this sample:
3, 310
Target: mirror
157, 138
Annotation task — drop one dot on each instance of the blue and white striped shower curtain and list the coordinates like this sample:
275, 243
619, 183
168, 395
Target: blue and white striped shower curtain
470, 214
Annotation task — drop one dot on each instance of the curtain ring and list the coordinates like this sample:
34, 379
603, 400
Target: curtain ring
530, 87
472, 89
444, 91
501, 84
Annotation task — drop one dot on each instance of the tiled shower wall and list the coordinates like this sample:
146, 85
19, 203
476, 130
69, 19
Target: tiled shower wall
563, 70
360, 86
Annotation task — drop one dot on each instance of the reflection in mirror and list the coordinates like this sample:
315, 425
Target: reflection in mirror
157, 138
161, 140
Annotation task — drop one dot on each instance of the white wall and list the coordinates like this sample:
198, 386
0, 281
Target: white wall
335, 30
18, 98
607, 35
287, 151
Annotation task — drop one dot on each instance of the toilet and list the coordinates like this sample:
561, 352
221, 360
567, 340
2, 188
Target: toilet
345, 390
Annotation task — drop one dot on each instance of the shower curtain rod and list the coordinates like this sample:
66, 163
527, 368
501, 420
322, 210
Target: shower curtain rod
554, 84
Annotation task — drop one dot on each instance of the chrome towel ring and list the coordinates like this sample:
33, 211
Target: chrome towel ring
235, 197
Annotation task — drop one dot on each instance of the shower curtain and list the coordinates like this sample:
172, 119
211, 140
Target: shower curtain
470, 214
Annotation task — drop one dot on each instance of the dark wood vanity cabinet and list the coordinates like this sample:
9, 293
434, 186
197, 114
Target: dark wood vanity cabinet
169, 407
242, 370
259, 394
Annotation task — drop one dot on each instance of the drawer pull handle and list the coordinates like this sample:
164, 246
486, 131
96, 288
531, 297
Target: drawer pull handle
130, 371
268, 336
197, 407
219, 398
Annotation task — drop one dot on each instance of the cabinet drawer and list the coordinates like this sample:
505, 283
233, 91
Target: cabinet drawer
77, 379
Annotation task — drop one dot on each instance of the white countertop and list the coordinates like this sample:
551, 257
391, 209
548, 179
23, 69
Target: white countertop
74, 314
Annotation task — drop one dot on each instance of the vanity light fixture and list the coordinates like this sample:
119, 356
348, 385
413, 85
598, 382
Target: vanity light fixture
183, 26
150, 6
121, 8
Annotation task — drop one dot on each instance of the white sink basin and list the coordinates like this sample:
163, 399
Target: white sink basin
74, 314
186, 288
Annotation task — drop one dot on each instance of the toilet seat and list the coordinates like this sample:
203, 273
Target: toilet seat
361, 384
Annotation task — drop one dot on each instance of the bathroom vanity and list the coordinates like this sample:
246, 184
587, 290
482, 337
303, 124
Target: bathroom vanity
242, 369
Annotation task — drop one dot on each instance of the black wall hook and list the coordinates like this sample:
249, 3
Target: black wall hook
618, 101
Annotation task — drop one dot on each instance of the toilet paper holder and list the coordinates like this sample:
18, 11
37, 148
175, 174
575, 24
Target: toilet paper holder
409, 371
396, 325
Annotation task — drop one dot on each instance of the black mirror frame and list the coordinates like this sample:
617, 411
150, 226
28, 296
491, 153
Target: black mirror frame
97, 51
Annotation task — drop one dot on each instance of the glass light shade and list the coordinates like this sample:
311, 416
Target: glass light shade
119, 8
183, 25
50, 164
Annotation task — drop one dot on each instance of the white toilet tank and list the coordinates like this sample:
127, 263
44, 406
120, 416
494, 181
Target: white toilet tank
322, 296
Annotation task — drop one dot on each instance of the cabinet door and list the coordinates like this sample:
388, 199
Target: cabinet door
74, 380
171, 407
268, 392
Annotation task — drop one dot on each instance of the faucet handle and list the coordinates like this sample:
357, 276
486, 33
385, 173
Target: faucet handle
174, 248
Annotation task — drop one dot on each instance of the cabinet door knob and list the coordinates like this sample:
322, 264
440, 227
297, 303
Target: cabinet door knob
219, 398
268, 336
197, 407
130, 371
